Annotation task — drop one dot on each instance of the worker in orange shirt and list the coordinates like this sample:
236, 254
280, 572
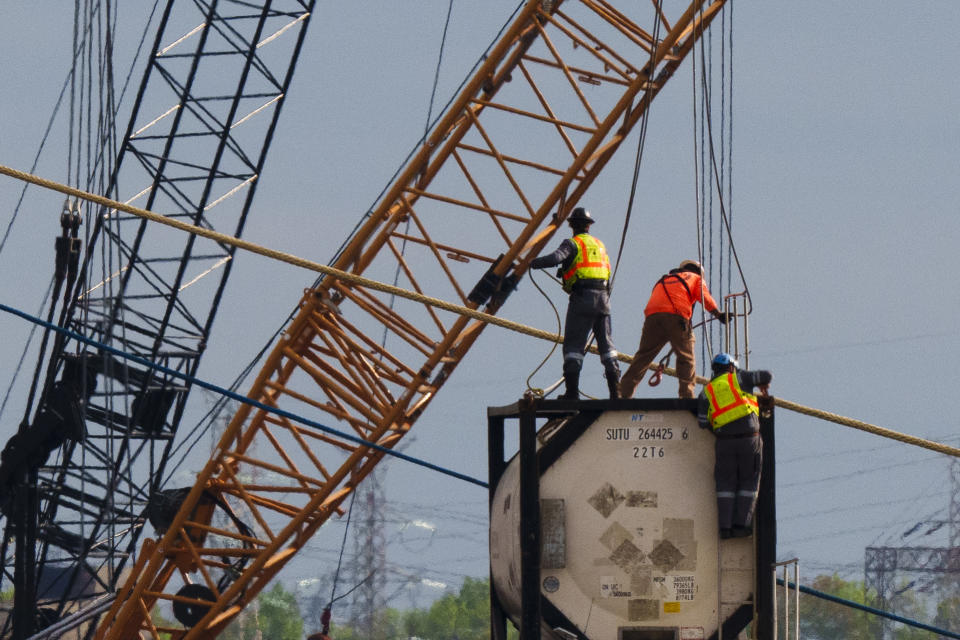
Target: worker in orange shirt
668, 314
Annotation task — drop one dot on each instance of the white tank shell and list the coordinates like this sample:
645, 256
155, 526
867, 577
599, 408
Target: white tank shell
629, 540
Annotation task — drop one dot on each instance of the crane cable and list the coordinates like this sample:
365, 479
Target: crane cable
531, 389
641, 141
436, 302
638, 159
725, 218
416, 146
724, 214
383, 338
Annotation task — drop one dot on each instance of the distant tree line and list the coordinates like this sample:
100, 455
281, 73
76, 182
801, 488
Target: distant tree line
462, 616
466, 616
824, 620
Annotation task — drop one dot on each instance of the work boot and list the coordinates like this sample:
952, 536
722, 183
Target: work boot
613, 386
612, 375
571, 378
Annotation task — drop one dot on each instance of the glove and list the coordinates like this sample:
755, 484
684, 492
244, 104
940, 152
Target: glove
723, 316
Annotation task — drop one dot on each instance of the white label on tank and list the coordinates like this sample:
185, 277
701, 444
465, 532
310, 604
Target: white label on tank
684, 587
691, 633
611, 587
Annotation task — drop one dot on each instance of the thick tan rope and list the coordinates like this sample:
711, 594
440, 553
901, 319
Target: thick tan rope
436, 302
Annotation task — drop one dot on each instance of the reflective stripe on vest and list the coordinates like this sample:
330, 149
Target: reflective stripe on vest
590, 263
728, 402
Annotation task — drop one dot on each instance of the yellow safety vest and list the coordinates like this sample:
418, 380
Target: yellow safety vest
590, 263
728, 401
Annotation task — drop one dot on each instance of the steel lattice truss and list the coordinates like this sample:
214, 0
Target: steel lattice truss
200, 129
531, 130
925, 559
885, 566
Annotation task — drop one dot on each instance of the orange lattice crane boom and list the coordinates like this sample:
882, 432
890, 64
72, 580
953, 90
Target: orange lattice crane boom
526, 137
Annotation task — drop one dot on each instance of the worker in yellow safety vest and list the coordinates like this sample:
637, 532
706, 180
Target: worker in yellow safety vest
585, 270
727, 405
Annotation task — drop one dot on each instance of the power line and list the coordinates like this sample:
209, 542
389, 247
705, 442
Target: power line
857, 472
241, 398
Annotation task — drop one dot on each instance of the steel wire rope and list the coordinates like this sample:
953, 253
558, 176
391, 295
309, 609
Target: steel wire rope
859, 451
29, 475
638, 157
892, 538
72, 138
413, 150
77, 122
698, 223
705, 237
434, 302
101, 22
729, 131
49, 128
8, 525
71, 114
861, 471
723, 113
714, 172
245, 399
833, 454
250, 366
919, 520
848, 508
99, 166
820, 535
60, 329
534, 390
426, 132
723, 209
641, 139
69, 82
343, 546
398, 511
399, 268
26, 347
200, 430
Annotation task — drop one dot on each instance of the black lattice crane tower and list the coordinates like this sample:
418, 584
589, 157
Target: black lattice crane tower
198, 135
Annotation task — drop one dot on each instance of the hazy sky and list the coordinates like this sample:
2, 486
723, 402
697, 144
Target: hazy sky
845, 207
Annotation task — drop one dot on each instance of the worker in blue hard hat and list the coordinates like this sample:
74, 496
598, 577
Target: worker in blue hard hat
585, 270
728, 405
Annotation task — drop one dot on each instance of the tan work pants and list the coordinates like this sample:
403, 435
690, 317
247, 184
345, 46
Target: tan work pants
658, 330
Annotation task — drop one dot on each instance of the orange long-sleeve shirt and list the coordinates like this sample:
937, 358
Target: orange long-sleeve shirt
670, 295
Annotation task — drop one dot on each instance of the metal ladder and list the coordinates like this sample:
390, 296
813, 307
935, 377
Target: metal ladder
791, 618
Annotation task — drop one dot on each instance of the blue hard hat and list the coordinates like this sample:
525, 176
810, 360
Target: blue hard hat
724, 360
